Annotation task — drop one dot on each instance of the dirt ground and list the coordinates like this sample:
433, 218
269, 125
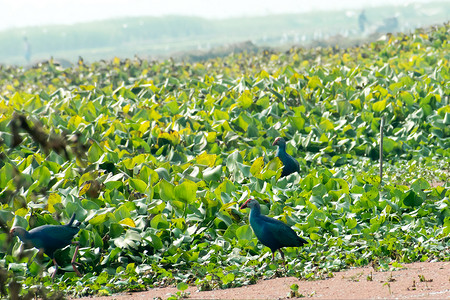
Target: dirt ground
423, 280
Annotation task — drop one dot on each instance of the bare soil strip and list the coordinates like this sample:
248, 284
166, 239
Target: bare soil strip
423, 280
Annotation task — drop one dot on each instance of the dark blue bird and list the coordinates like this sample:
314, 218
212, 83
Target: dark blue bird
290, 164
271, 232
50, 238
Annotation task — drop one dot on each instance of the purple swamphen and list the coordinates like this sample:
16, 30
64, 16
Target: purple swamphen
50, 238
271, 232
290, 164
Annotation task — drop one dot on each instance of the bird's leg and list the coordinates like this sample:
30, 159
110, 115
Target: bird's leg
74, 258
56, 268
282, 254
283, 262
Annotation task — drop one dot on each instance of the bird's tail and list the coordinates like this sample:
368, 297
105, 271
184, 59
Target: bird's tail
303, 241
71, 221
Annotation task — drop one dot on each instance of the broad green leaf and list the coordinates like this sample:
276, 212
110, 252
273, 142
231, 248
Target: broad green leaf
257, 166
156, 242
326, 125
206, 159
53, 198
245, 99
186, 191
356, 103
412, 199
273, 168
314, 82
138, 185
388, 145
351, 223
221, 115
172, 137
379, 106
298, 122
213, 174
42, 175
159, 222
407, 98
94, 153
149, 176
162, 174
182, 286
99, 219
166, 190
128, 222
244, 233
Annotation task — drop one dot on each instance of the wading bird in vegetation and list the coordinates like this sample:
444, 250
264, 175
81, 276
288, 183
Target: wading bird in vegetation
290, 164
49, 238
271, 232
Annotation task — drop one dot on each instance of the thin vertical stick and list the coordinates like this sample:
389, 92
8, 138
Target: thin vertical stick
381, 149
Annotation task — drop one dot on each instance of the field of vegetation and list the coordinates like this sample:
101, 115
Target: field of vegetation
155, 159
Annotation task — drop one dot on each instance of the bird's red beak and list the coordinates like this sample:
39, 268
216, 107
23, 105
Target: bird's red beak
245, 204
276, 141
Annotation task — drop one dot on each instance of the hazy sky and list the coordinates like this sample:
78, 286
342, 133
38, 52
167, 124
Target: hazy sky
21, 13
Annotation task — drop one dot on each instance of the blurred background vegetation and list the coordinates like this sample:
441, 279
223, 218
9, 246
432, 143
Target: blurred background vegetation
193, 38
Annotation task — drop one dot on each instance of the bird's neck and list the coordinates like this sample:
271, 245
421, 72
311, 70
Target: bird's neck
281, 150
255, 212
24, 236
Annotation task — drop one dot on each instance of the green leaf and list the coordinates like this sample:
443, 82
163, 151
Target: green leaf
99, 219
42, 175
52, 200
326, 125
314, 82
206, 159
351, 223
244, 233
182, 286
186, 191
212, 174
407, 98
166, 190
94, 152
156, 242
115, 230
257, 166
314, 236
379, 106
162, 174
297, 122
138, 185
412, 199
228, 278
388, 145
273, 168
159, 222
245, 99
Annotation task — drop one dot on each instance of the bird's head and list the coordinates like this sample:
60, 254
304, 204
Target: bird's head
279, 141
18, 231
250, 203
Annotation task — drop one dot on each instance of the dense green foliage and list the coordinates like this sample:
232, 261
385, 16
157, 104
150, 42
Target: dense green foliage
155, 158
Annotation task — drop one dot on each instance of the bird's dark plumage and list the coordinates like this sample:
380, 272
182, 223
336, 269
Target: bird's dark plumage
290, 164
271, 232
50, 238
